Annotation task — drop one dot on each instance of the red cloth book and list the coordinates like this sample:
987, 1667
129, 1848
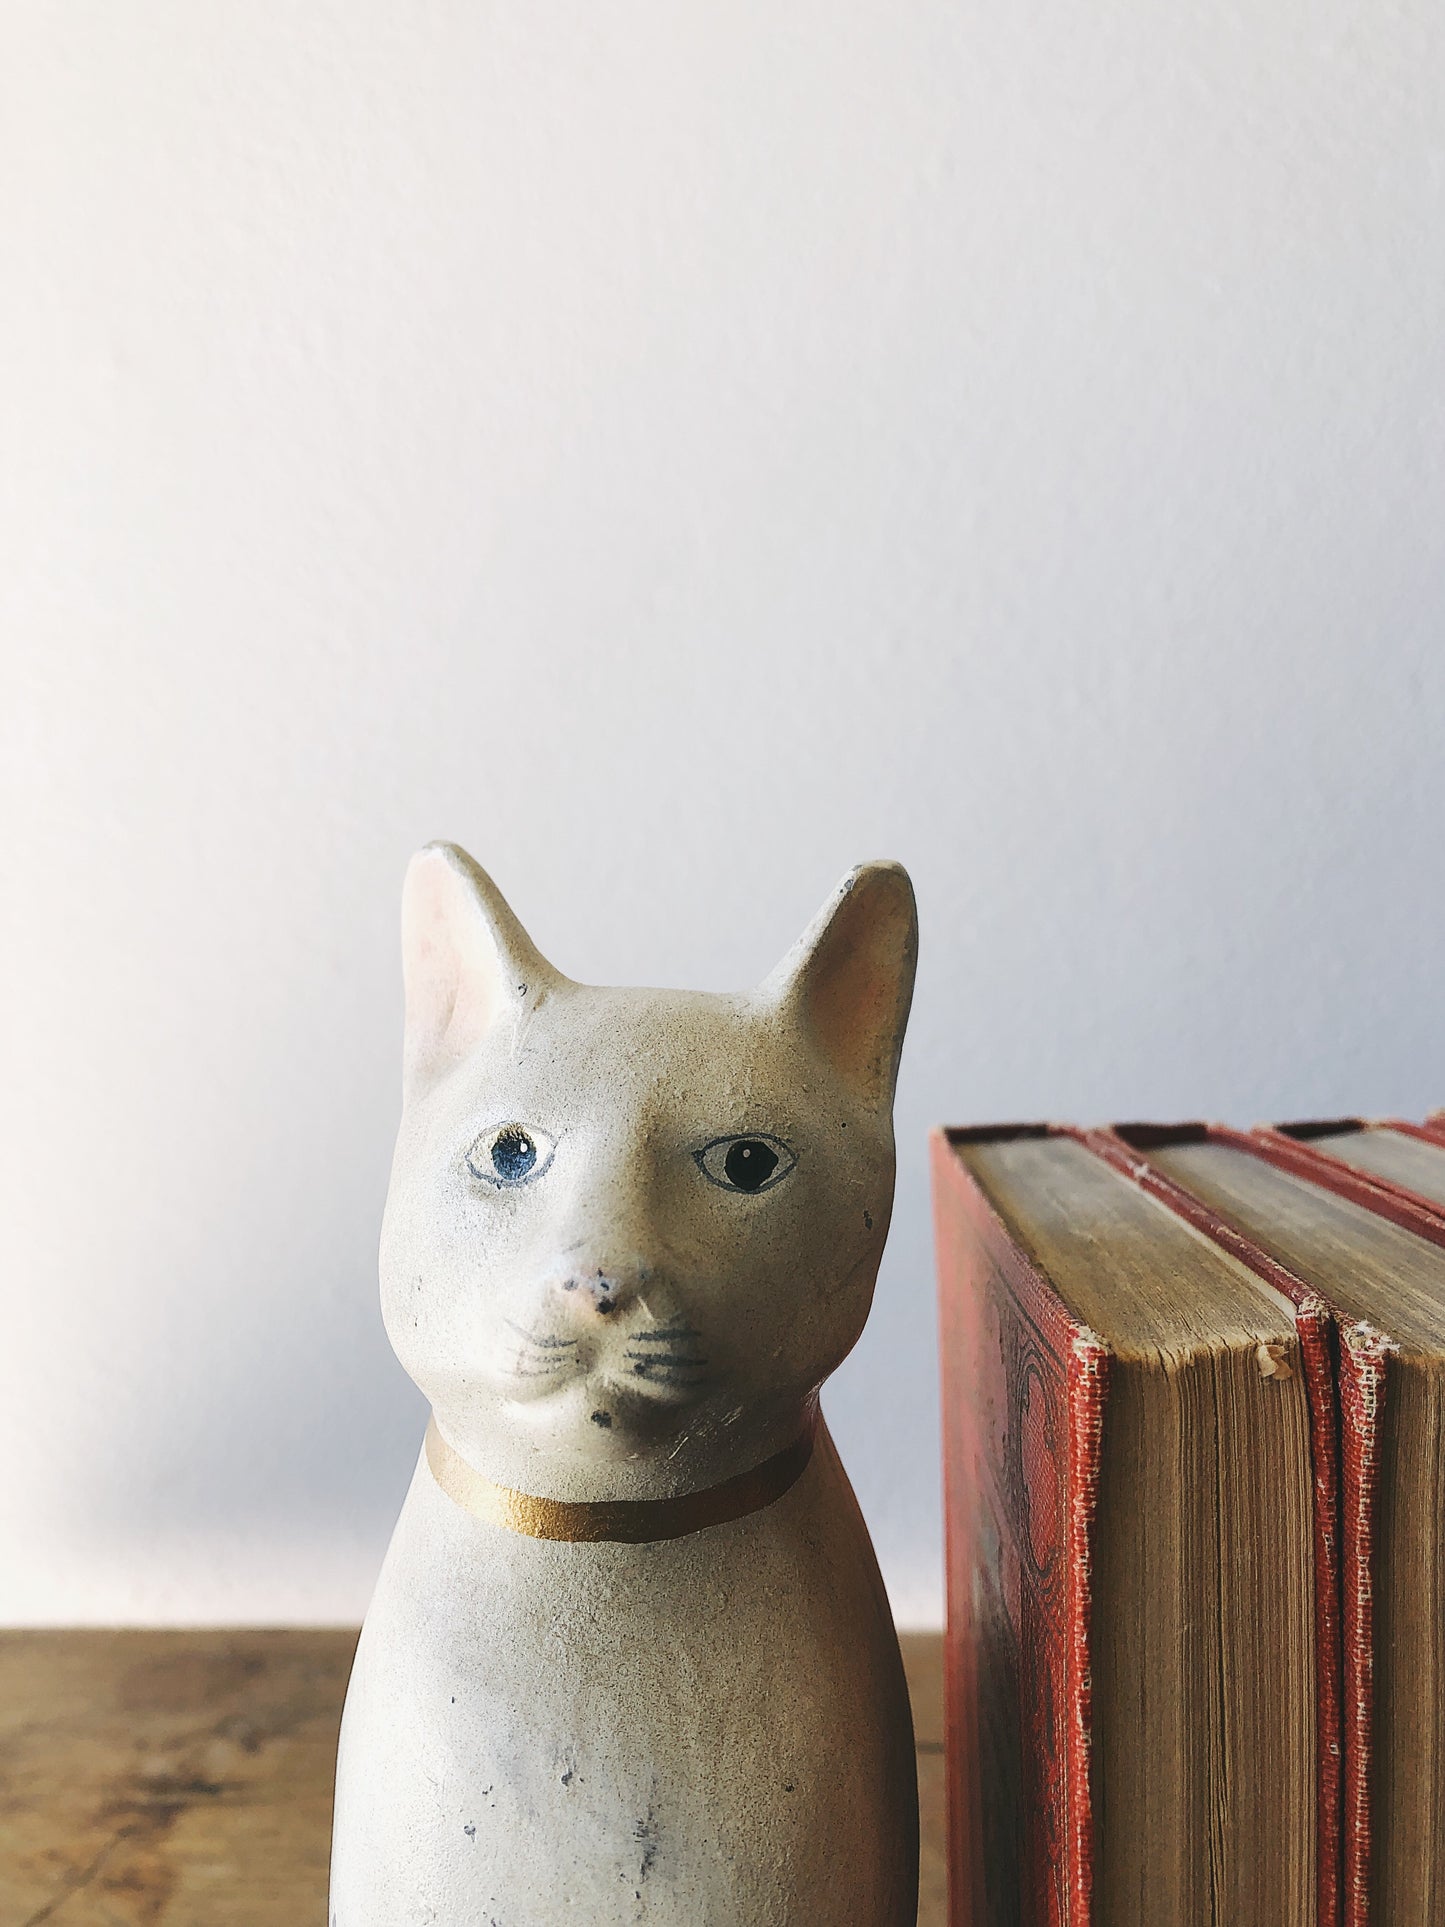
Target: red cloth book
1379, 1382
1344, 1436
1025, 1396
1335, 1152
1023, 1404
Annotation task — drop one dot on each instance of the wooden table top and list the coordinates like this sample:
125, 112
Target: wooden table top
163, 1779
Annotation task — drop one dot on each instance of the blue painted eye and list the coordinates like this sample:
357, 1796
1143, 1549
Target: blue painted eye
752, 1163
510, 1154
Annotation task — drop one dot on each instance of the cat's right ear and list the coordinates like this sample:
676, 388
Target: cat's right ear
466, 960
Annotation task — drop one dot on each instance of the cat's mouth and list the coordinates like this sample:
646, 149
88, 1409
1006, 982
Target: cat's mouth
664, 1364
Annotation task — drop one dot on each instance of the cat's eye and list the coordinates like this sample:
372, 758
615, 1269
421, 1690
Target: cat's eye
510, 1154
752, 1163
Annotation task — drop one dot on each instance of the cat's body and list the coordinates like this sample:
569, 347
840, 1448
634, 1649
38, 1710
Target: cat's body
629, 1233
706, 1732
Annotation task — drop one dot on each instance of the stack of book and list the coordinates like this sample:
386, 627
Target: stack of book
1194, 1447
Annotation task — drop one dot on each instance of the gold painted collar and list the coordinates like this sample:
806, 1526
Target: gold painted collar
628, 1522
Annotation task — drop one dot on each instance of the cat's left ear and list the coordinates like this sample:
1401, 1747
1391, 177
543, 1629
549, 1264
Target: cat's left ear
849, 978
467, 961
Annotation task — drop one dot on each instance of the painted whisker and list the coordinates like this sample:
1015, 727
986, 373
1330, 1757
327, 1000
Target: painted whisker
543, 1343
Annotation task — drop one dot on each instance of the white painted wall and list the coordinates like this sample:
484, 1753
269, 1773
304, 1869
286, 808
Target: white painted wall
674, 450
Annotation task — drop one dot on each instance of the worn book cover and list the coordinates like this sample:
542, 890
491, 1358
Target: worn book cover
1023, 1399
1374, 1161
1344, 1373
1027, 1388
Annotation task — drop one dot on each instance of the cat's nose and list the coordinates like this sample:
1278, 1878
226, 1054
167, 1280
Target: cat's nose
603, 1289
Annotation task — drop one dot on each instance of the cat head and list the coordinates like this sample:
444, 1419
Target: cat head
630, 1232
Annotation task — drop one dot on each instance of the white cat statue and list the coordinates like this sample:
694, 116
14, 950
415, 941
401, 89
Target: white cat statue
629, 1657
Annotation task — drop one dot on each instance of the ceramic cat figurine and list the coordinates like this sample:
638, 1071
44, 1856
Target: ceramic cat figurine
629, 1657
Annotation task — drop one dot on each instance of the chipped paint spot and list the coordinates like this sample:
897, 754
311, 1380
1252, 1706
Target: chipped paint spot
645, 1832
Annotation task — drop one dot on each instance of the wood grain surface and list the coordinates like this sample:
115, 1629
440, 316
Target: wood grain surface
163, 1779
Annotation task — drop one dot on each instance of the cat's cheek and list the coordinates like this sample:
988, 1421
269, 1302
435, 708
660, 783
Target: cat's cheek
434, 1341
423, 1298
409, 1316
840, 1300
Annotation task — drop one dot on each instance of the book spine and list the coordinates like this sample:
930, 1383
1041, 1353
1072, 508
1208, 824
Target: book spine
1303, 1160
1316, 1326
1088, 1381
1363, 1353
964, 1795
1024, 1391
1319, 1337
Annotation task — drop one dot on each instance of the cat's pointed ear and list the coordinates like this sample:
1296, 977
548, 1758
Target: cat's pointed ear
849, 978
466, 960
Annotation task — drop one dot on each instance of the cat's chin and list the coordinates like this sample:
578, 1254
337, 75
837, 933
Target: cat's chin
533, 1394
600, 1384
611, 1415
605, 1425
590, 1443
